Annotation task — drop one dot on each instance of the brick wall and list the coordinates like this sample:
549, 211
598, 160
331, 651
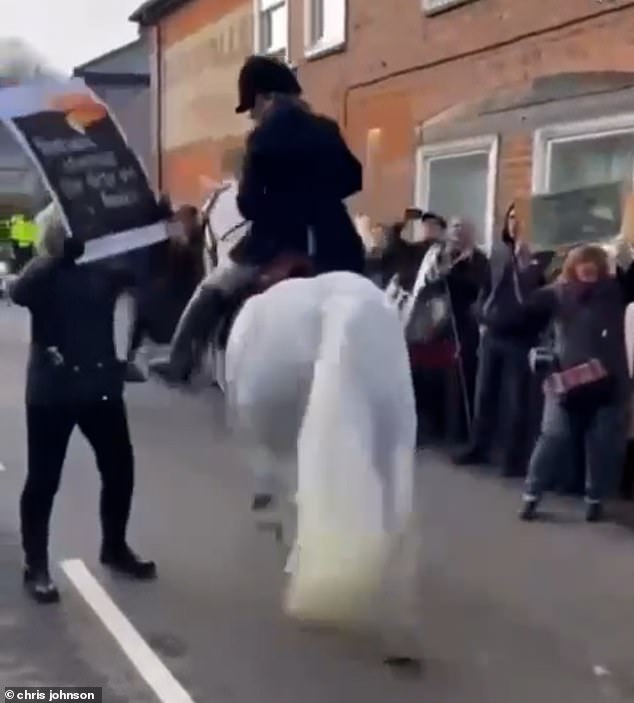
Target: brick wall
399, 69
514, 172
202, 46
459, 56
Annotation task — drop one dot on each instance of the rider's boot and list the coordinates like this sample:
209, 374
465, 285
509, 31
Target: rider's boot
194, 329
133, 373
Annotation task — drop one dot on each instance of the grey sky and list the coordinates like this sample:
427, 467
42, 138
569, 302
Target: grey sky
69, 32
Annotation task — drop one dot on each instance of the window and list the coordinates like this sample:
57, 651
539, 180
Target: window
431, 6
271, 27
458, 179
325, 26
584, 154
595, 159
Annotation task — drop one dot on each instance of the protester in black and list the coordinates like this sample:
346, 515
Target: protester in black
74, 379
467, 278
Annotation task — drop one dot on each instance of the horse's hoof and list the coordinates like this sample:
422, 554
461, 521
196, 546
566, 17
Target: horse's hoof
274, 527
261, 501
406, 665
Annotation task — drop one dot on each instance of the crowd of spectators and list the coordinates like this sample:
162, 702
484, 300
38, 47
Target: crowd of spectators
520, 358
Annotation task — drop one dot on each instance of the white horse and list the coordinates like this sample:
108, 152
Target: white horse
224, 227
223, 223
319, 385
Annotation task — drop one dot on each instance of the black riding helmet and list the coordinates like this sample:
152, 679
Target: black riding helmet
262, 75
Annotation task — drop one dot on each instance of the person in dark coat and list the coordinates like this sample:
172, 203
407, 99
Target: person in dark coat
74, 379
503, 377
587, 387
297, 172
467, 279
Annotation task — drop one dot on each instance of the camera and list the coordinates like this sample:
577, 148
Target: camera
542, 360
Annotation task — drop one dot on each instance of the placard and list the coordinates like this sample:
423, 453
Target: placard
582, 216
91, 172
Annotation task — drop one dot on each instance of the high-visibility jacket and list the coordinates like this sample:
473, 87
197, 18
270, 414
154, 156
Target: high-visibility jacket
23, 231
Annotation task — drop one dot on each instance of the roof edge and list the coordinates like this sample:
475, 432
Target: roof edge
151, 11
109, 54
113, 79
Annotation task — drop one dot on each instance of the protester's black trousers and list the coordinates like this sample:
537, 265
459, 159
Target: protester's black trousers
105, 426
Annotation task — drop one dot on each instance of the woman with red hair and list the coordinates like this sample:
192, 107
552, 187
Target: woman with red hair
586, 386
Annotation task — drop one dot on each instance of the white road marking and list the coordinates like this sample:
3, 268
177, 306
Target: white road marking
150, 667
2, 467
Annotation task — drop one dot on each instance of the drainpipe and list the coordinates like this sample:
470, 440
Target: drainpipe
158, 36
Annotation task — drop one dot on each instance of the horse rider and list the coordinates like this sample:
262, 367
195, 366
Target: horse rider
297, 172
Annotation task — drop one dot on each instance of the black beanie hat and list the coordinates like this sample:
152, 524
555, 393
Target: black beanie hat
261, 75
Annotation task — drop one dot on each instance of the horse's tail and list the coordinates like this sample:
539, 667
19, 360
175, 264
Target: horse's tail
359, 420
335, 434
362, 386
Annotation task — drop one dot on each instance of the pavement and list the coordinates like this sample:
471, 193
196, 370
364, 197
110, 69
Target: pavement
512, 612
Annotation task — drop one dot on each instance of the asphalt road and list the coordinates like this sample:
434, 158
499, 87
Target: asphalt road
513, 612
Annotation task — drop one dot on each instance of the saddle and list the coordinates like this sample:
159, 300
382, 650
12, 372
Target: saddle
282, 268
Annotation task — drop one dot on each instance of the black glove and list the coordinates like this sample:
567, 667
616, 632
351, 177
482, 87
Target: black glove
73, 249
164, 208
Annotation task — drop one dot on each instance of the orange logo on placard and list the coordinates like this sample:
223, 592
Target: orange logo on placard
81, 110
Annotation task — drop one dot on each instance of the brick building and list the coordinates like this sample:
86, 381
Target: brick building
197, 48
457, 105
121, 78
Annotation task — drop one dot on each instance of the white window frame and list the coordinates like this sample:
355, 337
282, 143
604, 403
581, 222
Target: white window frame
430, 7
259, 8
427, 154
325, 44
586, 130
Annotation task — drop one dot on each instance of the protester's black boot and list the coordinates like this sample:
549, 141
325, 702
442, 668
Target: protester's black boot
124, 561
529, 509
594, 512
39, 585
405, 665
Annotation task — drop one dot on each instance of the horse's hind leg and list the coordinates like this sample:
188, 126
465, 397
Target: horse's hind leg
267, 494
